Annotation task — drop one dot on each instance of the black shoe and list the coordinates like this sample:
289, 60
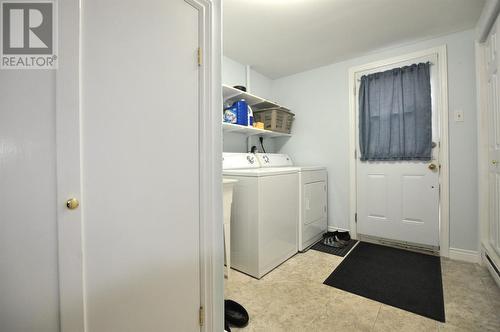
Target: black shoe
339, 239
332, 242
345, 236
327, 234
235, 314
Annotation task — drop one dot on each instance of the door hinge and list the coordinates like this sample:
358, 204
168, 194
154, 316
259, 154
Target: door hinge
202, 316
356, 217
355, 154
199, 56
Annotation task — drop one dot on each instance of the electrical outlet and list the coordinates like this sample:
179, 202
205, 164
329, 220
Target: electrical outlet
459, 116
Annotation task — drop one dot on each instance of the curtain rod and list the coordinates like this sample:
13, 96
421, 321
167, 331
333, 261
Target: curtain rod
429, 62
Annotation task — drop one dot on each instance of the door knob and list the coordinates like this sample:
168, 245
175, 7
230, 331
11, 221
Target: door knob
494, 162
432, 166
72, 203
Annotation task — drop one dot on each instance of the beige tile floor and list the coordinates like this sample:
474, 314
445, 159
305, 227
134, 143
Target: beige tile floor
293, 298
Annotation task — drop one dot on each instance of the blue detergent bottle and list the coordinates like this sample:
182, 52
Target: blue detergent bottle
242, 107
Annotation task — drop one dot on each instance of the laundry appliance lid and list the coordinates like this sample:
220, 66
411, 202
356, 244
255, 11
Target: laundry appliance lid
259, 172
268, 160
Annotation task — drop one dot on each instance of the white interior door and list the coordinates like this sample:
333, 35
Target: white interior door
493, 139
140, 165
400, 200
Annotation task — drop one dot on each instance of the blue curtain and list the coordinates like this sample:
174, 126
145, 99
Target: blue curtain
395, 114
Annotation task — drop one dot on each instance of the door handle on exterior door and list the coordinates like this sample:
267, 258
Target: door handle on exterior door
432, 166
494, 162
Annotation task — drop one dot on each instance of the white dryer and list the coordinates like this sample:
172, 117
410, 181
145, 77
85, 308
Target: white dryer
313, 188
264, 216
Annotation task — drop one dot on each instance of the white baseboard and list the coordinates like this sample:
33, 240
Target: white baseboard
493, 273
495, 259
333, 229
463, 255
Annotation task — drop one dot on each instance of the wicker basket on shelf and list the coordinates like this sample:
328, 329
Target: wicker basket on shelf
276, 119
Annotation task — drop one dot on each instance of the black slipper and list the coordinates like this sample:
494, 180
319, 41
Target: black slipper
235, 314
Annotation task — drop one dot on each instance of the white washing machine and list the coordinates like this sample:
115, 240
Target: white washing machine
313, 188
264, 216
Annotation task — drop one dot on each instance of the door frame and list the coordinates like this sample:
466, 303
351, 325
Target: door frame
440, 52
483, 130
68, 112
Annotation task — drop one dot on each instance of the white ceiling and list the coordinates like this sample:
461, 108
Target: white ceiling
283, 37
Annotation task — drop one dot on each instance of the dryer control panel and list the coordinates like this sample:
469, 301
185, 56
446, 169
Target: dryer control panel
274, 160
239, 161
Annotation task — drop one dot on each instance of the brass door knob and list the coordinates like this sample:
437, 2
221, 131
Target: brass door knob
494, 162
72, 203
432, 167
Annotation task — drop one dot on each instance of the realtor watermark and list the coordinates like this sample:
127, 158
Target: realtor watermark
28, 34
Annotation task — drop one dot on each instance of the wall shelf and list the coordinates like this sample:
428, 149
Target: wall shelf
230, 95
251, 131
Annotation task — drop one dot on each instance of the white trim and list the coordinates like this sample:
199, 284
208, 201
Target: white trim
211, 241
69, 222
463, 255
440, 51
482, 144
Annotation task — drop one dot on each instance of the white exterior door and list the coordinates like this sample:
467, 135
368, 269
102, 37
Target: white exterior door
400, 200
124, 110
494, 138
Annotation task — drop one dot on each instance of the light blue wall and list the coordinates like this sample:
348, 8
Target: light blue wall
320, 100
234, 73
